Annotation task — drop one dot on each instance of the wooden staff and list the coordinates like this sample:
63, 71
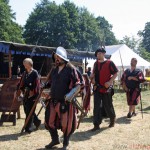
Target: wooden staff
123, 84
80, 118
39, 111
48, 76
31, 112
121, 61
141, 104
78, 106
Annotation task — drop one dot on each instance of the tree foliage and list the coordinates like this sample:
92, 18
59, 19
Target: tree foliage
88, 30
66, 25
145, 34
106, 35
9, 29
136, 46
131, 42
143, 53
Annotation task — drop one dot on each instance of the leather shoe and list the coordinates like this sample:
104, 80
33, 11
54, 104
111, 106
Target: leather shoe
133, 113
65, 147
95, 128
28, 131
129, 115
53, 143
38, 125
112, 122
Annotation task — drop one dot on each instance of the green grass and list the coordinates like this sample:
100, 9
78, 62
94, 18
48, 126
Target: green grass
119, 99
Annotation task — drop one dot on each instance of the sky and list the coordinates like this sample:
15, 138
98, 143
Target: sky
126, 16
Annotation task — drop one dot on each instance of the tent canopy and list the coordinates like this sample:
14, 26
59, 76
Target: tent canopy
126, 54
123, 52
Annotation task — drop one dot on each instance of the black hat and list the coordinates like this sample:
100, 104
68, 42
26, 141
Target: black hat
102, 50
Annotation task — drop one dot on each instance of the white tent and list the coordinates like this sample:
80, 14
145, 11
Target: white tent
123, 52
126, 54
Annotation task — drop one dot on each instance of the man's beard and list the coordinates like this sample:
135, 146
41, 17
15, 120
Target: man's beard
59, 63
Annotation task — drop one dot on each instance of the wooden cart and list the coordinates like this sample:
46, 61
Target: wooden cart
6, 100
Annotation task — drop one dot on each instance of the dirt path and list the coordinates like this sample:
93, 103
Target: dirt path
127, 134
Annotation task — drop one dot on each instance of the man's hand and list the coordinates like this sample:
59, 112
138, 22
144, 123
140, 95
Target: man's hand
107, 84
130, 78
17, 93
43, 85
92, 76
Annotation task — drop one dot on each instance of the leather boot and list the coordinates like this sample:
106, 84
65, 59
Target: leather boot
129, 115
28, 131
133, 113
96, 127
37, 124
112, 122
66, 142
65, 147
55, 139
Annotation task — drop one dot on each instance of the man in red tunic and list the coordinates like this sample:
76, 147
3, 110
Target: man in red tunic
61, 114
104, 72
132, 78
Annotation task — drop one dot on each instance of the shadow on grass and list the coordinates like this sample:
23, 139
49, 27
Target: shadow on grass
85, 135
54, 148
87, 119
15, 136
9, 137
42, 127
123, 120
147, 108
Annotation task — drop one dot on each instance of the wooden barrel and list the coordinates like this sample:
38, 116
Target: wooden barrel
7, 96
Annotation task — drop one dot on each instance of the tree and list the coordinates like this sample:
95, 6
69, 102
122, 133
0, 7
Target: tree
49, 25
131, 42
145, 34
107, 37
9, 29
136, 46
66, 25
88, 31
73, 17
143, 53
40, 26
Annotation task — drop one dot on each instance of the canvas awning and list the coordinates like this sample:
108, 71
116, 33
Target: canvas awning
35, 50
